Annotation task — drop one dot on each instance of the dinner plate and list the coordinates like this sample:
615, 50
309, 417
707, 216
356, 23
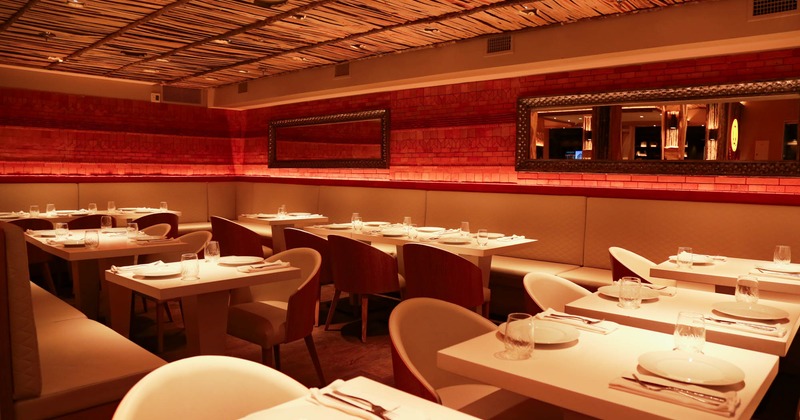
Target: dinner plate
455, 240
393, 233
9, 216
750, 310
697, 259
613, 291
73, 243
375, 224
299, 214
548, 332
429, 229
491, 235
159, 271
338, 226
44, 234
266, 216
780, 268
240, 260
693, 368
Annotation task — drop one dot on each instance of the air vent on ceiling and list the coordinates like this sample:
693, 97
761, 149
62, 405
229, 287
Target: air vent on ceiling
771, 7
179, 95
496, 44
242, 87
341, 70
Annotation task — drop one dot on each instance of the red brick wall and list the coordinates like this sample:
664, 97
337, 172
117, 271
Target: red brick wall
455, 133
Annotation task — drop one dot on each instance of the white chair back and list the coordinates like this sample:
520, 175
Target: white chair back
637, 264
550, 291
306, 259
161, 229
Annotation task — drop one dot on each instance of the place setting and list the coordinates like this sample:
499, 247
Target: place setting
522, 332
746, 314
585, 323
781, 265
686, 258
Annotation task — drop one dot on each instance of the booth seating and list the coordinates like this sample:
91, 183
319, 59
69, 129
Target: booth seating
54, 362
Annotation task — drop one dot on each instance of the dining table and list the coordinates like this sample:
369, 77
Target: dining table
87, 264
585, 375
775, 279
121, 216
452, 240
279, 222
204, 300
317, 405
727, 322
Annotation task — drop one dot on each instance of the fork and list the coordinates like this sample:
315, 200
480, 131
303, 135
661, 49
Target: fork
579, 318
373, 408
697, 396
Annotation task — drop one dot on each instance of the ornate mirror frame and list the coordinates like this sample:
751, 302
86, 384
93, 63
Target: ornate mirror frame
684, 167
381, 162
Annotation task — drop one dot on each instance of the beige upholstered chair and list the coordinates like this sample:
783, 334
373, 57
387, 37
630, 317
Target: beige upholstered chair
207, 387
419, 328
628, 263
235, 239
270, 316
550, 291
157, 218
161, 229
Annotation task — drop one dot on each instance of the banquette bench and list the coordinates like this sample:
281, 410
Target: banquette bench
54, 362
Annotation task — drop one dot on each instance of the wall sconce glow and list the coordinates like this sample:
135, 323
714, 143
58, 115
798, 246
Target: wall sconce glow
735, 134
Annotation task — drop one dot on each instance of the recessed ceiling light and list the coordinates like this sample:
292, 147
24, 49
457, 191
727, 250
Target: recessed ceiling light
211, 78
223, 41
357, 46
299, 58
299, 16
431, 30
151, 71
56, 59
75, 3
243, 71
47, 35
162, 60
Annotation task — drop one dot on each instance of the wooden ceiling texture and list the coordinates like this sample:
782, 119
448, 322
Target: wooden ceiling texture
209, 43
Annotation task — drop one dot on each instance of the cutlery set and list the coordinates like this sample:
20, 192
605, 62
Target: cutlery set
747, 324
695, 395
349, 400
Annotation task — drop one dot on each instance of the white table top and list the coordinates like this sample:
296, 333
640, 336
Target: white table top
724, 273
112, 244
68, 215
290, 219
576, 375
660, 315
410, 406
213, 278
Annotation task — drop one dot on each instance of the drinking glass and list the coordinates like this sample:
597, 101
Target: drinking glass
630, 292
34, 210
412, 231
783, 254
465, 229
105, 223
62, 231
406, 223
212, 251
92, 208
690, 332
51, 210
684, 257
518, 336
163, 206
132, 230
282, 210
483, 237
111, 207
190, 267
747, 289
91, 239
357, 222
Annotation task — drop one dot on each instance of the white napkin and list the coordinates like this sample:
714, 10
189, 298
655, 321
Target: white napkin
115, 269
602, 327
778, 331
727, 408
775, 274
263, 267
151, 240
396, 411
662, 290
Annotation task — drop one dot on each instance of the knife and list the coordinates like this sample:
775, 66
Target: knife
747, 324
688, 392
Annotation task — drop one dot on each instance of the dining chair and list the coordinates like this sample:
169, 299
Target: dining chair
157, 218
361, 269
90, 221
196, 242
418, 329
235, 239
627, 263
550, 291
161, 229
207, 387
298, 238
437, 273
39, 260
268, 317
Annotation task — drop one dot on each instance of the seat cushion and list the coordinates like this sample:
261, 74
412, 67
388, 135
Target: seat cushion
49, 308
522, 266
262, 323
84, 364
588, 277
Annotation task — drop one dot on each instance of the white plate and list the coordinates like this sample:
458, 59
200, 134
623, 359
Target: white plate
455, 241
693, 368
780, 268
393, 233
299, 214
750, 310
9, 216
73, 243
44, 234
429, 229
376, 224
548, 332
697, 259
266, 216
240, 260
159, 271
613, 291
339, 226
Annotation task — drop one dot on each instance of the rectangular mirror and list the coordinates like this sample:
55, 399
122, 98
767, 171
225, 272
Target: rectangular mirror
351, 140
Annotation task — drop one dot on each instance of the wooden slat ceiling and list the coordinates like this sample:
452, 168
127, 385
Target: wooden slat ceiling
208, 43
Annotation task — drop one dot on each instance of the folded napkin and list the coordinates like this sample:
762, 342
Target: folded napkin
510, 238
662, 290
774, 330
263, 267
153, 240
124, 268
726, 408
396, 411
774, 274
602, 327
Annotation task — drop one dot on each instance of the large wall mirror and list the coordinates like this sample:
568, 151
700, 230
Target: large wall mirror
351, 140
748, 129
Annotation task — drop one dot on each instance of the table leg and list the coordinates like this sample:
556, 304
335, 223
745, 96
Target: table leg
485, 264
278, 238
206, 322
86, 287
119, 302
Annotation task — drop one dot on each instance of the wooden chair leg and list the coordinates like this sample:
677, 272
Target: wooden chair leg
312, 349
364, 303
276, 353
332, 309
